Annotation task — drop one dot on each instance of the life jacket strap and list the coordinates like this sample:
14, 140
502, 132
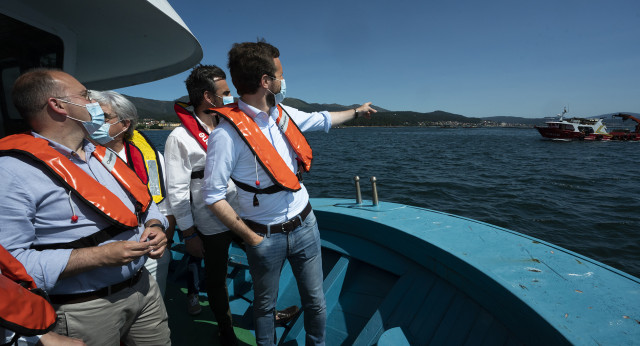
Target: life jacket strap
94, 239
267, 191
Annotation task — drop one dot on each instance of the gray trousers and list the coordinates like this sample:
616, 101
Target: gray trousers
135, 315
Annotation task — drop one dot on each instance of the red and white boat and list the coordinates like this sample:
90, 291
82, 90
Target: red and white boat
592, 129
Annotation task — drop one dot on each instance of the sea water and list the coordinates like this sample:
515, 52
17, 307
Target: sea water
583, 196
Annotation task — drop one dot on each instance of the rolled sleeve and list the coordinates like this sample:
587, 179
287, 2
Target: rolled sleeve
164, 206
314, 121
17, 233
154, 213
220, 163
178, 169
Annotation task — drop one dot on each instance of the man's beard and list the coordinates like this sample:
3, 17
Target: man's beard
271, 99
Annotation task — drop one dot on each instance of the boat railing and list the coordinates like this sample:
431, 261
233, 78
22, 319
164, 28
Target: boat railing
358, 193
374, 190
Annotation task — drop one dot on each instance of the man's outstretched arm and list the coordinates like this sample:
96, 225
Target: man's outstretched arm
338, 118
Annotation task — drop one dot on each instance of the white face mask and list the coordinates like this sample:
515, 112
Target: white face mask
279, 97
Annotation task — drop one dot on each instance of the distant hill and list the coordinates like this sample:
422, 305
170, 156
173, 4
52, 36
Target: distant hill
406, 118
517, 120
154, 109
163, 110
318, 107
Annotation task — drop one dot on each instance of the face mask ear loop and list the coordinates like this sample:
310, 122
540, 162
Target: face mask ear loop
74, 217
117, 134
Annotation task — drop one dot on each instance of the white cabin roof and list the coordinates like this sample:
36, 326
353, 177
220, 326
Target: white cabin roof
115, 43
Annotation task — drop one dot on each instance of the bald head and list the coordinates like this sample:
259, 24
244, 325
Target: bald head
33, 88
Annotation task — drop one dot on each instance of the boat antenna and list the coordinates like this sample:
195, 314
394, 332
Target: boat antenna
561, 115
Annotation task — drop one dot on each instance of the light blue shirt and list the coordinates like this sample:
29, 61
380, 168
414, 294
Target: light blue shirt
37, 209
229, 156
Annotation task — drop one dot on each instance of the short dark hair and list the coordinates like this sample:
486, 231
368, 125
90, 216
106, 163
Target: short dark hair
31, 91
201, 79
248, 62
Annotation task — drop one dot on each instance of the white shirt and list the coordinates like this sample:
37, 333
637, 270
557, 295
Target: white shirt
229, 156
183, 155
163, 206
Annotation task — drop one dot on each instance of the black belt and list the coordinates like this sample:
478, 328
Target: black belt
101, 293
197, 174
284, 227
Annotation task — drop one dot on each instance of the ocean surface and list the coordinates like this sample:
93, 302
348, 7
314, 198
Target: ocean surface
583, 196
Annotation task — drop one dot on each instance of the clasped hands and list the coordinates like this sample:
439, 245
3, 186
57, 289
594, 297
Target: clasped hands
152, 243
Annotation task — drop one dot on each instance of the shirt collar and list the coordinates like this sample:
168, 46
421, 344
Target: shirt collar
249, 110
86, 145
204, 126
254, 112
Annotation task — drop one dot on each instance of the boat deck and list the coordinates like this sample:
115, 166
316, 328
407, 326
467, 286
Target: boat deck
440, 279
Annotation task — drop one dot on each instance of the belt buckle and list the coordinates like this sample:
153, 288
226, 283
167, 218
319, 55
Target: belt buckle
284, 224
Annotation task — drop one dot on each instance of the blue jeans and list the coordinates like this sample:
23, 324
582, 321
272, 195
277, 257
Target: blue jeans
302, 248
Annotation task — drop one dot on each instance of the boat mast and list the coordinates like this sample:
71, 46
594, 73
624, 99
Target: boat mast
561, 115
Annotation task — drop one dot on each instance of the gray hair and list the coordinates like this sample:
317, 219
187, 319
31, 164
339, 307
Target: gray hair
120, 105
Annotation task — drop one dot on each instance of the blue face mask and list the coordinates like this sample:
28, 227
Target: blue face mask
226, 99
102, 134
283, 91
97, 116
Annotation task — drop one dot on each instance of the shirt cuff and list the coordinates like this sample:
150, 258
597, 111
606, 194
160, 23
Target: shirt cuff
55, 262
211, 197
154, 213
184, 222
327, 121
163, 207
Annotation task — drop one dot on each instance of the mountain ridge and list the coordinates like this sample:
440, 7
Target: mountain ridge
163, 110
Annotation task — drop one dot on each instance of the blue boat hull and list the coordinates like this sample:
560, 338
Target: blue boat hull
397, 274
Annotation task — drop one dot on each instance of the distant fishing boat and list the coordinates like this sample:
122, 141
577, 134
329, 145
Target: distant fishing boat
393, 274
588, 129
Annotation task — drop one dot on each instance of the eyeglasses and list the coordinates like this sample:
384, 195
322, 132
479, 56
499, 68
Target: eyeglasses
86, 94
109, 116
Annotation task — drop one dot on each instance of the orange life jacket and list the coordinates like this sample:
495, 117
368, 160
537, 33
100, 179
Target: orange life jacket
94, 194
267, 155
21, 310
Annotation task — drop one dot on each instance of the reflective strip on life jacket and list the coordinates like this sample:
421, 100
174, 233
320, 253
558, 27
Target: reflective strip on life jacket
22, 311
143, 158
267, 155
86, 187
189, 121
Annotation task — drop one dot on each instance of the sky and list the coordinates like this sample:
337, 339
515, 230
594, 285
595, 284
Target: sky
474, 58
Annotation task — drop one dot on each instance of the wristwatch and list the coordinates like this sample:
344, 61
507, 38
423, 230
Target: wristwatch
157, 225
